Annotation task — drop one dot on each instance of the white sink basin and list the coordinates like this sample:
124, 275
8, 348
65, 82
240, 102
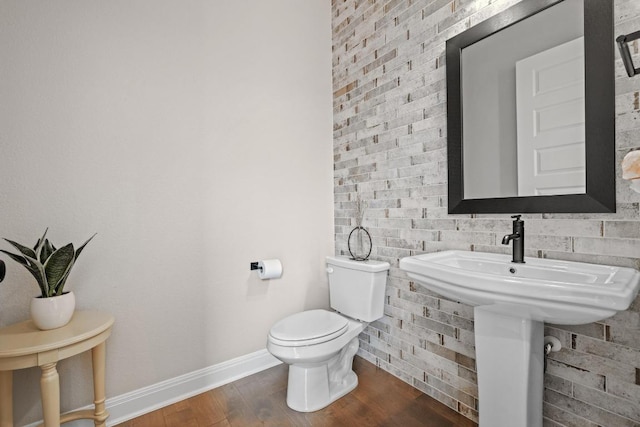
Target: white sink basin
546, 290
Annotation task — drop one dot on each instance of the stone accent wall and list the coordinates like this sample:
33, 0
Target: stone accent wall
390, 149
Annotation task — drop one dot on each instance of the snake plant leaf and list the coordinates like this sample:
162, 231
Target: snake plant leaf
57, 266
18, 258
79, 250
37, 271
59, 287
36, 248
24, 259
23, 249
46, 251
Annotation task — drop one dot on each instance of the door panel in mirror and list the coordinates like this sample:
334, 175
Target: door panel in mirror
550, 121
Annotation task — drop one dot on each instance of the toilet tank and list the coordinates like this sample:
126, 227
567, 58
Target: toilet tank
356, 288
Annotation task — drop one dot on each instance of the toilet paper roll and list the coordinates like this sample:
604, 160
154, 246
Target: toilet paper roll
269, 269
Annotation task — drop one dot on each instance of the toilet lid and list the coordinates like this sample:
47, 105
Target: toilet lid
309, 327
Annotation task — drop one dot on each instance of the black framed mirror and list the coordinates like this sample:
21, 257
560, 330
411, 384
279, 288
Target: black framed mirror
565, 162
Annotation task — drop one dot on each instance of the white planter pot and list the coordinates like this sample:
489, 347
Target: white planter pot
53, 312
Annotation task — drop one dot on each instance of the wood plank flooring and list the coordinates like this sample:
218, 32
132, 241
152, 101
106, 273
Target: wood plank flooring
259, 400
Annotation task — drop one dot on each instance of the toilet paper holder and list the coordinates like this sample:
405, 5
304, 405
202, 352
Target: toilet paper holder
267, 268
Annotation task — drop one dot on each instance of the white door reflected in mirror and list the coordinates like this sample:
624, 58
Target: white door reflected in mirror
551, 121
490, 122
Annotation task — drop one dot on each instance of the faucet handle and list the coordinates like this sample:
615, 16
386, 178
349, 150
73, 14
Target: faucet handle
517, 218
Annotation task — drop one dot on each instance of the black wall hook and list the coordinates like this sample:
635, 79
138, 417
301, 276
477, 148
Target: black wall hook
623, 46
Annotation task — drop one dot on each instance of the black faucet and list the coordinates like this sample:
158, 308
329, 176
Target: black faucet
518, 239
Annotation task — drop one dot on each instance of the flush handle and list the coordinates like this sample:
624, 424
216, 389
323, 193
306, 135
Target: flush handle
329, 270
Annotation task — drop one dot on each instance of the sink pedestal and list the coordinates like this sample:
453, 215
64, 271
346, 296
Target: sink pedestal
510, 365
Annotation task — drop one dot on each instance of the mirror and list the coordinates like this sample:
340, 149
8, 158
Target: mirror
531, 110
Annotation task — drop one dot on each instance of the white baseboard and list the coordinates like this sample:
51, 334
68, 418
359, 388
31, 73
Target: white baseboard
139, 402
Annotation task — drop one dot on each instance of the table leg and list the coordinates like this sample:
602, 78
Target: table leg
6, 398
50, 390
98, 355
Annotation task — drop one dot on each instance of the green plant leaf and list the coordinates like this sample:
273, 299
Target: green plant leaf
46, 251
23, 249
59, 287
17, 258
26, 259
38, 273
36, 270
79, 250
57, 266
36, 248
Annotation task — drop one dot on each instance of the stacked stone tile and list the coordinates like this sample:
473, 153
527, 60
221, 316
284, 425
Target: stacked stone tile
390, 148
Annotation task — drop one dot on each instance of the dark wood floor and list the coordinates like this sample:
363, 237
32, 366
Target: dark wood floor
259, 400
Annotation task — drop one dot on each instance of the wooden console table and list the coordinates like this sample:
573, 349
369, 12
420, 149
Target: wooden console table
23, 346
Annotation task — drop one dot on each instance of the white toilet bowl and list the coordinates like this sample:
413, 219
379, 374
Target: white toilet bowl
319, 346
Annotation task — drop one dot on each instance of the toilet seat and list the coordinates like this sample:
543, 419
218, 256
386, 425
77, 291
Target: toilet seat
308, 328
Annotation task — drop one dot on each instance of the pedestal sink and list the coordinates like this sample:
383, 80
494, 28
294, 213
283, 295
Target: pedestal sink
511, 303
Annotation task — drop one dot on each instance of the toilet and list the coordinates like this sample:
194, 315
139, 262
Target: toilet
319, 345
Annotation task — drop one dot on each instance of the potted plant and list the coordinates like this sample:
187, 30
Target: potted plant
50, 266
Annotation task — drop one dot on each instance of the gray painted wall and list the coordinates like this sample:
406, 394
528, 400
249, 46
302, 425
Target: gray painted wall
148, 122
